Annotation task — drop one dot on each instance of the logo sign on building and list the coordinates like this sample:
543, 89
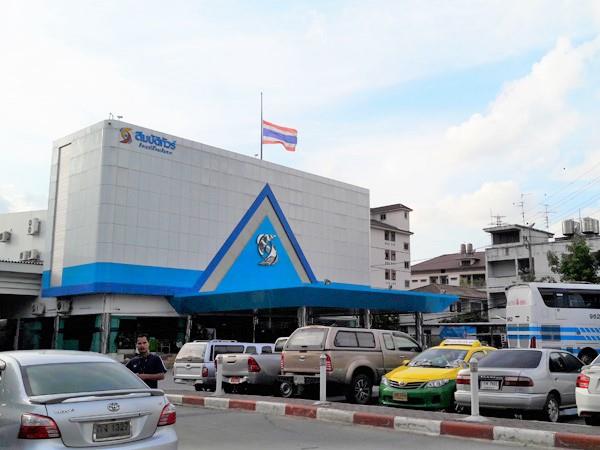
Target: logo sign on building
266, 249
147, 141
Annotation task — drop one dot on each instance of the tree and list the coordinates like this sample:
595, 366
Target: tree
578, 264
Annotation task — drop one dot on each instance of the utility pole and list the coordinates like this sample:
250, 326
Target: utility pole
531, 269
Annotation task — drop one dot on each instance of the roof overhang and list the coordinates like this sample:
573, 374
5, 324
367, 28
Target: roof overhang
334, 295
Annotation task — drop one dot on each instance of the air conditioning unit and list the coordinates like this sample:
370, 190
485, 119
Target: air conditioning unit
37, 309
25, 256
5, 236
63, 306
34, 255
33, 226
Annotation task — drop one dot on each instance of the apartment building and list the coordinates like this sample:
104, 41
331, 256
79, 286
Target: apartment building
390, 247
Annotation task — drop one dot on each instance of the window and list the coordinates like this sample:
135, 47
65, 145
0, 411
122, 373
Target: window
266, 350
389, 342
406, 283
415, 281
393, 274
393, 255
405, 343
387, 255
406, 246
476, 356
345, 339
465, 262
48, 379
407, 264
221, 349
389, 236
387, 274
562, 298
405, 215
444, 279
307, 339
512, 359
557, 364
573, 364
360, 339
433, 280
251, 350
365, 339
382, 217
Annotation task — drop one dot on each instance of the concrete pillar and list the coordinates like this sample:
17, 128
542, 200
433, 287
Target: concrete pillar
18, 331
188, 329
419, 329
367, 318
105, 333
302, 316
55, 332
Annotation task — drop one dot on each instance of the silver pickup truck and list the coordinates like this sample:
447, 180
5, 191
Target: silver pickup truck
257, 371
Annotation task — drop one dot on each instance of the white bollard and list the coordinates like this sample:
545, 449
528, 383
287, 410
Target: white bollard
474, 369
322, 380
219, 380
475, 417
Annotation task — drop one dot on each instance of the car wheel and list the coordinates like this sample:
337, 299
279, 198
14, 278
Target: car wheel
198, 387
587, 357
360, 389
227, 388
551, 410
594, 419
286, 389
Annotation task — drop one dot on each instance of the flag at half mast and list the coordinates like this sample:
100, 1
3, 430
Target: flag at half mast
275, 134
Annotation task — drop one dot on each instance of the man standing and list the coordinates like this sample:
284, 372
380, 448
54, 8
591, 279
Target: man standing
147, 366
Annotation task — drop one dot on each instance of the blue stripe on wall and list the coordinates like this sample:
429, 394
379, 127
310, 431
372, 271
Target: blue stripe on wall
120, 278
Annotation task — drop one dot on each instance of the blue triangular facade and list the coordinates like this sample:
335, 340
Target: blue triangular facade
246, 273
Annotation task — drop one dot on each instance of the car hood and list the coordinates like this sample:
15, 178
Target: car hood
422, 373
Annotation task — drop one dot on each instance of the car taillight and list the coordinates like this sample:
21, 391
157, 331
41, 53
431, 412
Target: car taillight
281, 362
533, 342
463, 379
34, 426
253, 365
168, 416
205, 372
328, 365
583, 381
518, 381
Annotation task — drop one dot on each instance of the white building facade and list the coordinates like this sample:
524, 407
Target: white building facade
390, 247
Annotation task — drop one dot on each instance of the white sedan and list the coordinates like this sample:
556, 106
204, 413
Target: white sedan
587, 393
60, 399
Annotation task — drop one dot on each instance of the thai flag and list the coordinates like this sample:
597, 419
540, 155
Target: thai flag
275, 134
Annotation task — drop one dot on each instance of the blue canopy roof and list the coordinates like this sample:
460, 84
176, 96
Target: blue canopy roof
334, 295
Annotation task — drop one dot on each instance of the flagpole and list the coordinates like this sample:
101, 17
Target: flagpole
261, 126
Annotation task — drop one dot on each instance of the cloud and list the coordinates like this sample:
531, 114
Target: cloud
14, 199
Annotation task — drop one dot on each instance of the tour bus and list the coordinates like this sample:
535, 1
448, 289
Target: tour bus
564, 316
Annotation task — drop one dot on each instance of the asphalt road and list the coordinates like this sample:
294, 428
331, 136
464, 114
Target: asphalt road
229, 429
567, 416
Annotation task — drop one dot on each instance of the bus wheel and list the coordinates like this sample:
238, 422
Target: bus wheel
587, 356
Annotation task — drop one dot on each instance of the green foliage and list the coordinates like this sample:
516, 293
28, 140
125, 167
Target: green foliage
578, 264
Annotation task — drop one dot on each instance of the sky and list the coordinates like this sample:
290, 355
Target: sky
460, 110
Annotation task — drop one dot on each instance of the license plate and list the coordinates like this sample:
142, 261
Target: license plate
105, 431
234, 380
400, 396
489, 385
298, 380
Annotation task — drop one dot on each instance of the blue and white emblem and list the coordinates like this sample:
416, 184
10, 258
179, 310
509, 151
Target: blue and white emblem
266, 249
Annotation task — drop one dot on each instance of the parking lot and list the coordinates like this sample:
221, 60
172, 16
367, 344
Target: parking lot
169, 386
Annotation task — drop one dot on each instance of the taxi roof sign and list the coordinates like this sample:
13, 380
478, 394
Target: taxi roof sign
471, 342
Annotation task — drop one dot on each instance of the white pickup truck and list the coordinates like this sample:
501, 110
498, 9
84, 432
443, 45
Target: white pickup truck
253, 371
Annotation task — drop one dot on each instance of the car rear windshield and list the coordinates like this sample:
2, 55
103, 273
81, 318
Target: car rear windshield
439, 357
307, 339
69, 378
512, 359
192, 352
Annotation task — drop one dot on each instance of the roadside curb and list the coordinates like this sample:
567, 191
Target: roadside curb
456, 428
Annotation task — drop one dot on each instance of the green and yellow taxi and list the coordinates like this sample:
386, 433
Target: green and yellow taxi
428, 381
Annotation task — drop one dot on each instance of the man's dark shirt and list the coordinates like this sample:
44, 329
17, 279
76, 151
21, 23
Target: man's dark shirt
150, 364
